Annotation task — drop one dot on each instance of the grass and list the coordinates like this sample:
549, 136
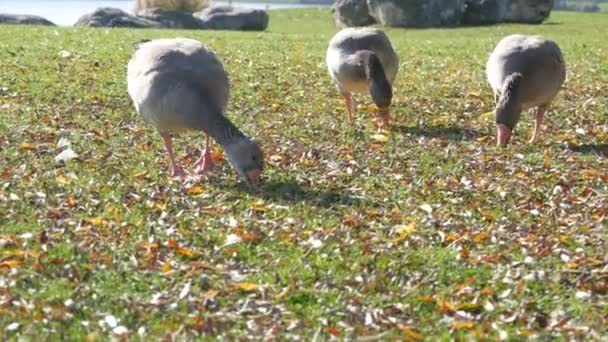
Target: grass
432, 234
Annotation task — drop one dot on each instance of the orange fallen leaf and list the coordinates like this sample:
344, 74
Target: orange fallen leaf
465, 284
333, 331
426, 299
172, 244
185, 252
71, 201
411, 334
195, 190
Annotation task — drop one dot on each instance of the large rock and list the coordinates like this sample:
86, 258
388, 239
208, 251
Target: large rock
483, 12
417, 13
528, 11
351, 13
114, 17
233, 18
24, 19
190, 6
171, 19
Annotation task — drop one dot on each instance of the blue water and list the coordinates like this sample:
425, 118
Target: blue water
66, 12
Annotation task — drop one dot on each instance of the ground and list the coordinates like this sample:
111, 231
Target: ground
425, 231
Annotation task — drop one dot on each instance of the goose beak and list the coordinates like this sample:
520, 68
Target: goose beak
503, 135
385, 114
253, 178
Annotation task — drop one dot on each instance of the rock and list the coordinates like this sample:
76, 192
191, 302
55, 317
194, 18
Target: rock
351, 13
483, 12
417, 13
171, 19
189, 6
231, 18
528, 11
24, 19
113, 17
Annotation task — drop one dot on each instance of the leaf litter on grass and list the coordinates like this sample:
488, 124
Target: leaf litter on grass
425, 230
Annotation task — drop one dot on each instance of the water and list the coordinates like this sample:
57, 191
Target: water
66, 12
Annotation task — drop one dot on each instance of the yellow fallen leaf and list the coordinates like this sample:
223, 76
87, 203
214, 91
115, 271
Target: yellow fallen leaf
10, 264
62, 180
211, 294
27, 147
247, 287
260, 206
445, 306
140, 174
96, 221
380, 138
486, 115
463, 325
404, 232
166, 267
484, 139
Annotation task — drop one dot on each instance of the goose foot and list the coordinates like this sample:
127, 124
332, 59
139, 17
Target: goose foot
204, 163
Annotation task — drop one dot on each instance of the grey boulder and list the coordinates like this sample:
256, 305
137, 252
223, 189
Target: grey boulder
417, 13
171, 19
24, 19
483, 12
113, 17
352, 13
528, 11
229, 18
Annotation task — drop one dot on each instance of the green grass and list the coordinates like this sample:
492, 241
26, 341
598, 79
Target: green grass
341, 239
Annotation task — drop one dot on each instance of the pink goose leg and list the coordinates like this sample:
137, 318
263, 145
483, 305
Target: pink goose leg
176, 169
205, 162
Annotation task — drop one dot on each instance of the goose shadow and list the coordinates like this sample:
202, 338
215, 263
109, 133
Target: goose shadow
291, 191
443, 132
600, 149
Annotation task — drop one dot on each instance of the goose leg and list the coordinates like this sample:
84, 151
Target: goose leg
538, 121
205, 162
348, 99
176, 169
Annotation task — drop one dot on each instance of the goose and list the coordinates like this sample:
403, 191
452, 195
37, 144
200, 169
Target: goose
362, 60
524, 72
179, 85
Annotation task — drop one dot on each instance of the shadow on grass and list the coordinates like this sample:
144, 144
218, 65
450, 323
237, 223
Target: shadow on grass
600, 149
451, 133
292, 192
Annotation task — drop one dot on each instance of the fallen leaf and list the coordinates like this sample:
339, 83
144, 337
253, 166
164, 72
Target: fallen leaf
380, 138
463, 325
66, 155
246, 287
404, 232
411, 334
195, 190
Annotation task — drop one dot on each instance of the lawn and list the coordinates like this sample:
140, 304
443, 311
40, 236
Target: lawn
425, 232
